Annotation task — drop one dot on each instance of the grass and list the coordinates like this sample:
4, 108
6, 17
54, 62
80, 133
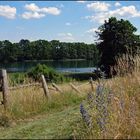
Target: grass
50, 126
123, 110
27, 102
30, 115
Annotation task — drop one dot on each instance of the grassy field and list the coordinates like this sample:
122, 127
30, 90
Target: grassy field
31, 115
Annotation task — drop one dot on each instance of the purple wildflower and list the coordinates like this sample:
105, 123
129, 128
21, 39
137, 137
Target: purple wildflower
101, 106
86, 117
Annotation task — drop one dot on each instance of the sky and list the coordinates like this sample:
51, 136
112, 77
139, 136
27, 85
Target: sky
67, 21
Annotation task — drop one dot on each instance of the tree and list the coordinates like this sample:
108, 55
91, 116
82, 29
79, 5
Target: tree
116, 38
45, 50
24, 49
8, 52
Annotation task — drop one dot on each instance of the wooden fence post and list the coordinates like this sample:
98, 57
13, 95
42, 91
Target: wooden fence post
91, 83
45, 87
75, 88
5, 90
56, 87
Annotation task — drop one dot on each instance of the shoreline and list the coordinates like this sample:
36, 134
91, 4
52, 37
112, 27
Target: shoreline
54, 60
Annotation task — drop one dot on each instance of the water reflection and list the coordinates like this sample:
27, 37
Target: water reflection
63, 66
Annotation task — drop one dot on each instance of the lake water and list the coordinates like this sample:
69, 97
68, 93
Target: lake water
73, 66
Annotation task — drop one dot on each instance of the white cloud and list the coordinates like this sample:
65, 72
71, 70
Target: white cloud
32, 7
7, 11
65, 37
50, 10
98, 6
67, 23
81, 1
92, 30
123, 12
28, 15
117, 4
36, 12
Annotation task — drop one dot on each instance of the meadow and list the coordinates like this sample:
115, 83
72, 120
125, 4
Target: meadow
110, 110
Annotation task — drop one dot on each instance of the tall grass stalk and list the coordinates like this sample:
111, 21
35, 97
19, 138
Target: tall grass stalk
118, 111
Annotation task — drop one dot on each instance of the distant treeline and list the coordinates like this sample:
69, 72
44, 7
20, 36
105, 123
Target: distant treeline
46, 50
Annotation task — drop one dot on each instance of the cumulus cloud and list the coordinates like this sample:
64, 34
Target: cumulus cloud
98, 6
28, 15
36, 12
7, 11
50, 10
123, 12
32, 7
66, 37
117, 4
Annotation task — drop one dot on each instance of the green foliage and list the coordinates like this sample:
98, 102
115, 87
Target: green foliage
17, 78
45, 50
117, 38
50, 74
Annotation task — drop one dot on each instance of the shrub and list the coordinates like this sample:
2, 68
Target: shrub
50, 74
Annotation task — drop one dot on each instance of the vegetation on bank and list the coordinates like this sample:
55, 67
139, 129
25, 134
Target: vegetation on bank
44, 50
51, 75
34, 74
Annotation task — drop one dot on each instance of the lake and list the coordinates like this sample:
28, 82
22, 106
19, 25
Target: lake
72, 66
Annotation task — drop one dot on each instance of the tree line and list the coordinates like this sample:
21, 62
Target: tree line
45, 50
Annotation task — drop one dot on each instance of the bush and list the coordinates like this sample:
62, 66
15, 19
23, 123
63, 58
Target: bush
50, 74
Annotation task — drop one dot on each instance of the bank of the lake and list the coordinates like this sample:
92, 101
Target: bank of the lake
74, 65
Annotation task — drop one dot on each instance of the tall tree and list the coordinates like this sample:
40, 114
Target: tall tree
116, 38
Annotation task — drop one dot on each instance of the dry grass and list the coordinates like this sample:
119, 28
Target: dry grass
30, 101
124, 109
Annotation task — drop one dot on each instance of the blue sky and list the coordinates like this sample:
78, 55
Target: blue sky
69, 21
